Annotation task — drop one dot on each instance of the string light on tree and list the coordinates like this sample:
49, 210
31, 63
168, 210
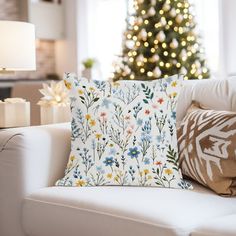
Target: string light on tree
161, 40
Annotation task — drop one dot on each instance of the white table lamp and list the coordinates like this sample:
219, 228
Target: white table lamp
17, 46
17, 53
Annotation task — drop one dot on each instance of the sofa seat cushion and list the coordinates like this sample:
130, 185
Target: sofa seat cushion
121, 211
225, 225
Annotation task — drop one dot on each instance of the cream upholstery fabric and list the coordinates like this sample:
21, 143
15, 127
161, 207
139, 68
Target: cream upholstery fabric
117, 211
232, 92
30, 159
222, 226
214, 94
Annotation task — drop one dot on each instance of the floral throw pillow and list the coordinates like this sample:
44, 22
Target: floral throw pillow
123, 133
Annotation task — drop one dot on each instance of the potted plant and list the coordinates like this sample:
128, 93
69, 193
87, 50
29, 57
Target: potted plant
88, 65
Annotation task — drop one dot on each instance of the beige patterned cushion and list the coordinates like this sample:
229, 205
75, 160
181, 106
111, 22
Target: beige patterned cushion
207, 147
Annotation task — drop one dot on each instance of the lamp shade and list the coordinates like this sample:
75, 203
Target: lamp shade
17, 46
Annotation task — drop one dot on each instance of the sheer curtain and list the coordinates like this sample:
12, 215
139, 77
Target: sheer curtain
207, 15
106, 24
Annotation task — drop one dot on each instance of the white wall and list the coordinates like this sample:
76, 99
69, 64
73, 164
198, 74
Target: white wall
74, 48
66, 50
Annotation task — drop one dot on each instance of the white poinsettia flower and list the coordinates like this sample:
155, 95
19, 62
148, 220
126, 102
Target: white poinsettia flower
54, 94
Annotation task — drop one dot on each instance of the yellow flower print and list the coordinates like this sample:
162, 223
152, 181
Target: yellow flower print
81, 92
87, 117
111, 145
72, 158
168, 171
109, 176
80, 183
174, 84
149, 177
174, 94
67, 84
92, 89
116, 84
146, 171
92, 122
98, 136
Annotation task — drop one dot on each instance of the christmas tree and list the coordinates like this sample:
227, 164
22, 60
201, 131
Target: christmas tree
160, 41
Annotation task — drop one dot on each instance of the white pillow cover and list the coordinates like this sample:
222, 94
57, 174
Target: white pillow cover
123, 133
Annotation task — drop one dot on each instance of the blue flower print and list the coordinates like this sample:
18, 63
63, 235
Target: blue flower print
139, 122
173, 115
146, 137
146, 161
109, 161
100, 170
113, 152
133, 152
106, 102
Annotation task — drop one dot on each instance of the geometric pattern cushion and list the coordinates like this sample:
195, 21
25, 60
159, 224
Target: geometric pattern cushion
123, 133
207, 148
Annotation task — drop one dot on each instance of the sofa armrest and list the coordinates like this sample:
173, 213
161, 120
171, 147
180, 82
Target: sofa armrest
30, 158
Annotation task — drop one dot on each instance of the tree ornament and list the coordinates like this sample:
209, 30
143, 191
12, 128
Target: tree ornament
183, 53
140, 1
172, 13
151, 11
154, 58
199, 71
174, 44
140, 58
183, 71
161, 36
127, 70
153, 2
163, 21
197, 63
157, 72
143, 34
130, 44
166, 7
139, 21
179, 18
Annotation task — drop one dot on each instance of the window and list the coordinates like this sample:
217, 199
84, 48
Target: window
207, 18
106, 24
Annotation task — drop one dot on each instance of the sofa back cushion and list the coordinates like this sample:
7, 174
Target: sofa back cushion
212, 93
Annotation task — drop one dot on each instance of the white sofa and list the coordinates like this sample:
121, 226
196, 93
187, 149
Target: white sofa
32, 159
